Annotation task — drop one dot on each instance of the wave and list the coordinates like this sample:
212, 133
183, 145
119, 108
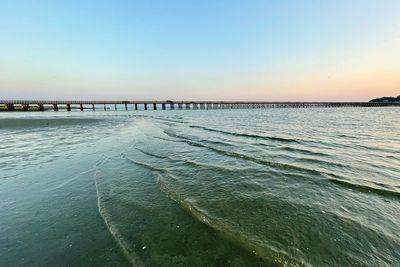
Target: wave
191, 163
270, 254
328, 175
133, 259
148, 166
249, 241
152, 154
270, 138
375, 148
280, 139
287, 148
321, 162
267, 249
253, 159
291, 140
166, 139
156, 253
382, 190
303, 151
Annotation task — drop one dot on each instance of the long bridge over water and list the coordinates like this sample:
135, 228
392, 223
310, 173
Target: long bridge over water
41, 105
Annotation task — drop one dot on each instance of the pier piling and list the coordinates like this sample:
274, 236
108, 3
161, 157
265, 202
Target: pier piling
10, 107
25, 107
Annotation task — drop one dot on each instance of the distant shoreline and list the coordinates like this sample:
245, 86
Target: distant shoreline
385, 99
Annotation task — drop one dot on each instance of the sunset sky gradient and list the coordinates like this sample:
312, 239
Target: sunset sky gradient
203, 50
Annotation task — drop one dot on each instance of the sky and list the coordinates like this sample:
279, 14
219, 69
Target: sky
264, 50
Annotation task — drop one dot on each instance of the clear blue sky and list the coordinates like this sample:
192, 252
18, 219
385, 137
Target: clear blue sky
259, 50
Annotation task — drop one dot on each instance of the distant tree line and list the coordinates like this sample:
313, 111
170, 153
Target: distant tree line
386, 99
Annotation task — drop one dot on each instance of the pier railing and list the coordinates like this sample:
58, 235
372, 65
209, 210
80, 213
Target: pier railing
41, 105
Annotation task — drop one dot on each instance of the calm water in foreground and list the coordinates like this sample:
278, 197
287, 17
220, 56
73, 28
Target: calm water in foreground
273, 187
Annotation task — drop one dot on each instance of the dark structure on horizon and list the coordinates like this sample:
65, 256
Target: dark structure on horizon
41, 105
386, 99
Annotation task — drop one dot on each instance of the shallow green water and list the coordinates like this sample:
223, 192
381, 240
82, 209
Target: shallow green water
273, 187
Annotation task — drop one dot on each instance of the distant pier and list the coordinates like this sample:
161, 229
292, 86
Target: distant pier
42, 105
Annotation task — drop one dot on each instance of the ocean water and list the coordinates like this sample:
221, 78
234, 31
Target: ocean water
265, 187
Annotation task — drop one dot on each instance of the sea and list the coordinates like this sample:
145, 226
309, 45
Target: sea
227, 187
